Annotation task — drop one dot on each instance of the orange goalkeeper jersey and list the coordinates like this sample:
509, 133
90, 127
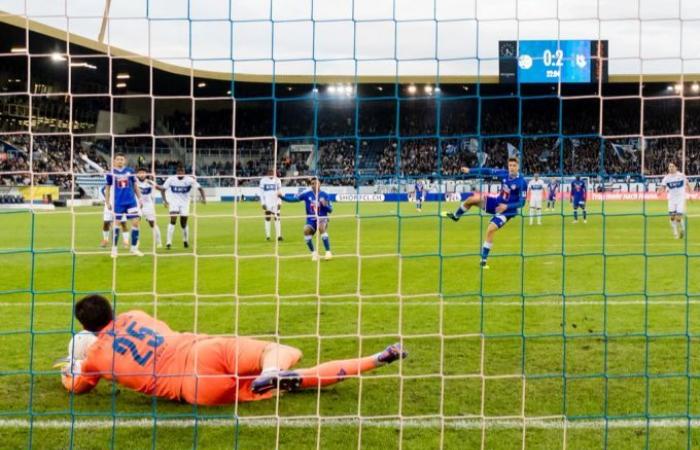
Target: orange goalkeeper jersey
140, 353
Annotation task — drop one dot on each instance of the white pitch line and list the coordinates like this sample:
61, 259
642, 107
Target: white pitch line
450, 423
365, 303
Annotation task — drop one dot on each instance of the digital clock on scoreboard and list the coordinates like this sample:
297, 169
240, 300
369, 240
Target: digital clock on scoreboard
552, 61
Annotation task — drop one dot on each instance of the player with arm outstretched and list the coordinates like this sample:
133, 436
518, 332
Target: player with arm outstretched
176, 193
579, 192
143, 354
535, 190
552, 189
503, 207
122, 197
419, 192
270, 187
148, 189
677, 187
318, 207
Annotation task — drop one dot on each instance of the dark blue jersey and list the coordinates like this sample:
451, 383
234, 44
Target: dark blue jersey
513, 189
578, 190
419, 189
122, 182
314, 206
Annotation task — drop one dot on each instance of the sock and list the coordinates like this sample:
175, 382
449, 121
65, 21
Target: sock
539, 215
584, 214
326, 242
186, 233
485, 250
125, 237
681, 223
156, 234
115, 240
267, 229
419, 204
105, 235
335, 371
674, 227
309, 242
278, 227
575, 214
532, 213
171, 230
460, 211
134, 238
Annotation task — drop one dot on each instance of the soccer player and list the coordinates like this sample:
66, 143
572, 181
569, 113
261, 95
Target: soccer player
108, 220
552, 189
318, 206
578, 197
148, 202
676, 186
270, 187
143, 354
176, 193
503, 207
122, 197
419, 191
536, 189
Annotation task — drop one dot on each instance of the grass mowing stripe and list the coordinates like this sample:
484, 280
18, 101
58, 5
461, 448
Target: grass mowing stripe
468, 424
422, 303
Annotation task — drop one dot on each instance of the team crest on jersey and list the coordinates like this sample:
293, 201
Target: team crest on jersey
122, 182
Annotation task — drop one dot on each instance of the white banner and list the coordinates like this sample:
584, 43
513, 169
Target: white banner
359, 198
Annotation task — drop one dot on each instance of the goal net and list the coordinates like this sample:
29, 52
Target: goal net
583, 331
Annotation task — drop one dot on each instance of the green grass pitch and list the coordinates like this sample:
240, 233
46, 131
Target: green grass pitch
591, 321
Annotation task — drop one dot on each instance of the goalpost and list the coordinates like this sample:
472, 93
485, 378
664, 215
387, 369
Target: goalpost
576, 338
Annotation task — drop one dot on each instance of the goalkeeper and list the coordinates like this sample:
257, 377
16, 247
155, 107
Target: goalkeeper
142, 353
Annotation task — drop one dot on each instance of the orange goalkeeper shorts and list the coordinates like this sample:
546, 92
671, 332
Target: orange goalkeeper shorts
221, 371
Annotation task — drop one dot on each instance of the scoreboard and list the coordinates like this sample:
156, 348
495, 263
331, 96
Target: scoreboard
553, 61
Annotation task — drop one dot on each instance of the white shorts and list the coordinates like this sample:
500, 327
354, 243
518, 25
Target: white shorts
536, 203
273, 208
180, 209
148, 211
676, 206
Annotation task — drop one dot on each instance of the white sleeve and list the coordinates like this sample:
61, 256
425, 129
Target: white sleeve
195, 183
166, 185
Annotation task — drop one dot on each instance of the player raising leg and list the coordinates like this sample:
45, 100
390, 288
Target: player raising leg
503, 207
578, 197
318, 206
148, 202
676, 186
535, 190
123, 201
270, 187
176, 192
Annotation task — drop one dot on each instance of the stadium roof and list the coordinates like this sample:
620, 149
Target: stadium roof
413, 41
